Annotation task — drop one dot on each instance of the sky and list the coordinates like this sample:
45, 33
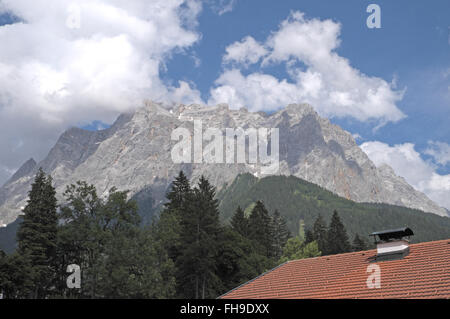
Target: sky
81, 63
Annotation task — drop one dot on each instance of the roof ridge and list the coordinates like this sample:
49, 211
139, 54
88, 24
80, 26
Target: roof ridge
367, 251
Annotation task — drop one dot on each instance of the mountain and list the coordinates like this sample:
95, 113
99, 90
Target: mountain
135, 154
297, 200
8, 236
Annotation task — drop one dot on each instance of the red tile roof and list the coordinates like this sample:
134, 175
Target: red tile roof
424, 273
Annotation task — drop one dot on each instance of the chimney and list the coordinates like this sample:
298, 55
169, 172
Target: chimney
392, 244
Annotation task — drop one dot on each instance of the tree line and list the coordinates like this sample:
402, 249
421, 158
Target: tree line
185, 253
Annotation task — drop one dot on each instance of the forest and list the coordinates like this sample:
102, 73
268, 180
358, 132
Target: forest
188, 251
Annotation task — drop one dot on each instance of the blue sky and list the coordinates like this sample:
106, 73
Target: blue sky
54, 75
412, 46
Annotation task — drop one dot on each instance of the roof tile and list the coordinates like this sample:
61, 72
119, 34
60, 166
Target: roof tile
424, 273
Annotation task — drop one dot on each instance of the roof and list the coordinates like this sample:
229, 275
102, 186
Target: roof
424, 273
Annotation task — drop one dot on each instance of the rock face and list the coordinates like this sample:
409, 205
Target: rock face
135, 154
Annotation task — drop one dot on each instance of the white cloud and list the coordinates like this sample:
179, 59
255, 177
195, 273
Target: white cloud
440, 152
248, 51
58, 68
406, 162
257, 91
311, 41
327, 80
185, 93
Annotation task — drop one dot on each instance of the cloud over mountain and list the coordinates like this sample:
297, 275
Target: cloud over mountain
407, 163
67, 62
317, 74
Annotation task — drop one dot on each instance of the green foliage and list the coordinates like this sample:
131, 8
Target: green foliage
200, 228
298, 199
359, 244
319, 234
211, 259
281, 233
311, 250
118, 259
295, 248
187, 253
248, 209
240, 223
237, 262
15, 281
337, 238
179, 193
37, 236
168, 228
309, 236
301, 229
261, 230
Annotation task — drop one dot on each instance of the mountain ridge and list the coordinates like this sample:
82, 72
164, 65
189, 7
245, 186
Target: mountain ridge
301, 201
134, 153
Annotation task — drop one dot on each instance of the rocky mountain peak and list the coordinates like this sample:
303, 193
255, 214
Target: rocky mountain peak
24, 170
135, 154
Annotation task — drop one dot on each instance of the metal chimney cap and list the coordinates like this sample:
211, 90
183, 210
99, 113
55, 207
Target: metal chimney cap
393, 234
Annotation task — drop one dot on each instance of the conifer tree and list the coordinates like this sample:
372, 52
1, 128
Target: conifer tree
179, 192
169, 229
239, 222
261, 229
337, 238
320, 234
15, 281
309, 236
359, 244
200, 229
37, 235
281, 233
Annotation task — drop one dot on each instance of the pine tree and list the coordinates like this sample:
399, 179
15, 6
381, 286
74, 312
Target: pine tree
281, 233
337, 238
200, 229
309, 236
261, 229
320, 234
168, 228
37, 235
179, 192
15, 281
358, 243
239, 222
